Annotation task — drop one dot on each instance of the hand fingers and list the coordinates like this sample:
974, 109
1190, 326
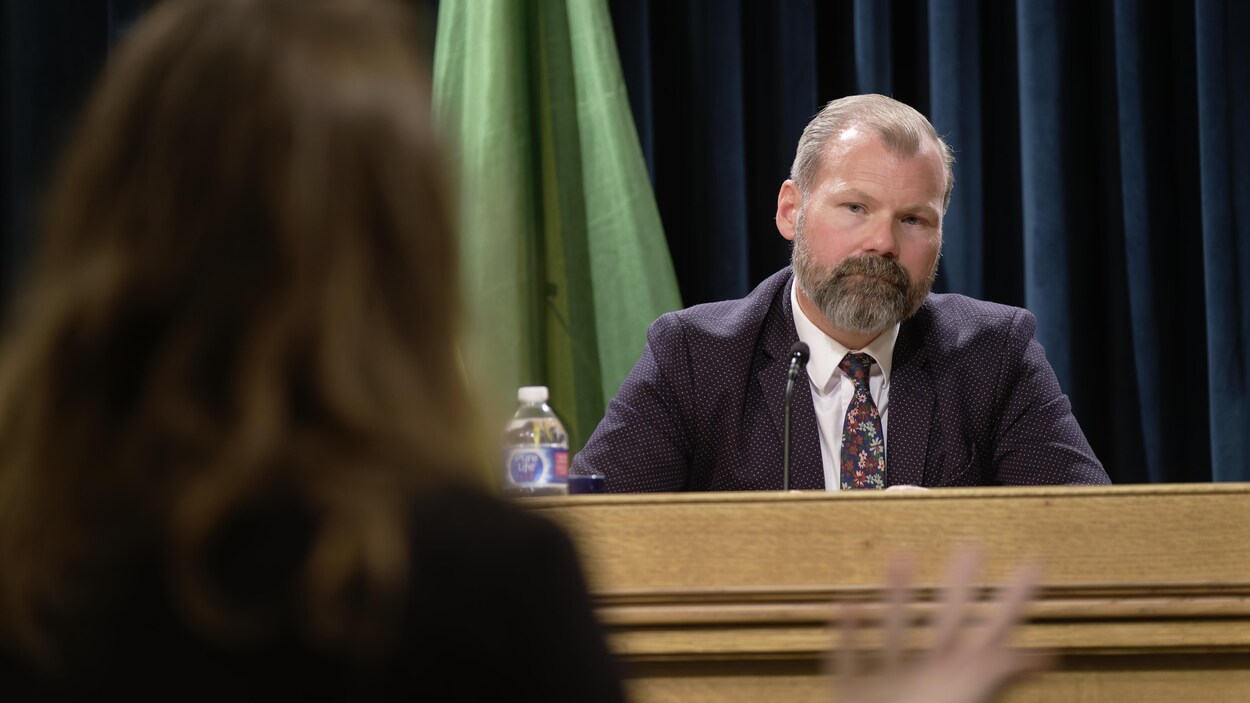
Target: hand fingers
960, 579
995, 664
844, 663
897, 607
1009, 605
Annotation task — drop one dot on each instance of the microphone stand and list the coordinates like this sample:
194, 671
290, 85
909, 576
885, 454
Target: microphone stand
799, 353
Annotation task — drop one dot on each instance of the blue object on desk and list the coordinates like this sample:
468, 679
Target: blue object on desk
587, 484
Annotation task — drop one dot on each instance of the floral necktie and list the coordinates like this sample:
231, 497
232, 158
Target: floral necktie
863, 441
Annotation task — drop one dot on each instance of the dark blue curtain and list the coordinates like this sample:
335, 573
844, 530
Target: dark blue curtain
50, 53
1102, 181
51, 50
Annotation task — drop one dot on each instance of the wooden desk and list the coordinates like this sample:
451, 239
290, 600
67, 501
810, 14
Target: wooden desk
728, 596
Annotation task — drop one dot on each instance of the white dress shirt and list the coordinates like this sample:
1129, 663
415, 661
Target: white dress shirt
832, 390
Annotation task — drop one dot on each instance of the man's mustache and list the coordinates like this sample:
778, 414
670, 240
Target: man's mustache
888, 270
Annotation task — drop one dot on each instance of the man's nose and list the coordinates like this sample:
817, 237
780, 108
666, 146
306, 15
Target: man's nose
881, 240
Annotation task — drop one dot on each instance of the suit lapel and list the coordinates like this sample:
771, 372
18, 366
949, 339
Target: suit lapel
911, 404
772, 361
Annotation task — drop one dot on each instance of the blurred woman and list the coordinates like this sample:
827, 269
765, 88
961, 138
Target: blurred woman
236, 450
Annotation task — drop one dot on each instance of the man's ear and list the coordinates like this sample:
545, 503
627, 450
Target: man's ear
789, 200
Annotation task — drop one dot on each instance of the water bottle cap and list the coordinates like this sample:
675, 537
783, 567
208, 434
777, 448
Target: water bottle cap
532, 394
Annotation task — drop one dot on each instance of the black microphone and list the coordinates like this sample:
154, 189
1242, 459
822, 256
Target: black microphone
799, 354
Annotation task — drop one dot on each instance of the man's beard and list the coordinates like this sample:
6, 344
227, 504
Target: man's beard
865, 294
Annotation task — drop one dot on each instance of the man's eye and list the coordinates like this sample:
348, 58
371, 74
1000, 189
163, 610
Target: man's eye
855, 207
912, 220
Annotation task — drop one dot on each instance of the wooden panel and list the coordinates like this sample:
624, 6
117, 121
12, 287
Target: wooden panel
1220, 679
730, 596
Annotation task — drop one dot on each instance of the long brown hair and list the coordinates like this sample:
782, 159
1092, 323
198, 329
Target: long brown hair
246, 287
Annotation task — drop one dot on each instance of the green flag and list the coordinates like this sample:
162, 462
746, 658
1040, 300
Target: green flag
563, 253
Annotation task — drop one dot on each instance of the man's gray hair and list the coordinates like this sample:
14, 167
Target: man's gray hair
899, 126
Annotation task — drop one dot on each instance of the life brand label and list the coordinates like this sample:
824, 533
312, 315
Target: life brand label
537, 465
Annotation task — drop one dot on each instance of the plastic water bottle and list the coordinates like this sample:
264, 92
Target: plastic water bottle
535, 447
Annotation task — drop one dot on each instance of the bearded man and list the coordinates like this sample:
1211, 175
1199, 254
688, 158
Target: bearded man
904, 387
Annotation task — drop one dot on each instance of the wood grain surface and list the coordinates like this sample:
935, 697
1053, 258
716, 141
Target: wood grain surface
731, 596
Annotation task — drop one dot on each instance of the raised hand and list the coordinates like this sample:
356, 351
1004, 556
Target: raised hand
969, 661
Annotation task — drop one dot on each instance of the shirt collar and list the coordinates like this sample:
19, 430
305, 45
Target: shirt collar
827, 352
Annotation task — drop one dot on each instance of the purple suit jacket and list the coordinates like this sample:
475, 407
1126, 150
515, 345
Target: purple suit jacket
973, 402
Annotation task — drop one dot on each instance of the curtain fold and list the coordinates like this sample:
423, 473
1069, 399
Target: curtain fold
955, 110
1043, 173
873, 59
1224, 148
51, 51
1140, 261
563, 252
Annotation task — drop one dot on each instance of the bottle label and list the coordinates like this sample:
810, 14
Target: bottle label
529, 466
